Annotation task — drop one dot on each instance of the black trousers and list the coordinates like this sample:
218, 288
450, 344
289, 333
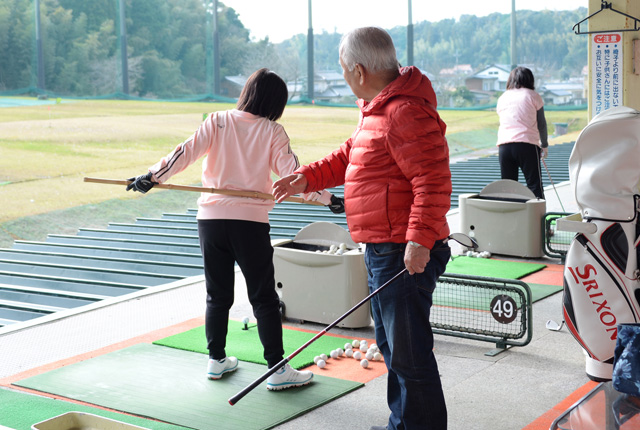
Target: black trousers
524, 156
223, 243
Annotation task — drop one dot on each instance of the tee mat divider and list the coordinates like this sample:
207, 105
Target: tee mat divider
483, 308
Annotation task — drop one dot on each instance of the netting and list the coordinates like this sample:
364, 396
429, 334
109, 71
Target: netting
495, 310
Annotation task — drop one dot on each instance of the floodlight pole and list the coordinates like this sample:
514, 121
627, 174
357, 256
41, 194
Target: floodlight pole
410, 37
216, 49
514, 62
40, 57
123, 48
310, 73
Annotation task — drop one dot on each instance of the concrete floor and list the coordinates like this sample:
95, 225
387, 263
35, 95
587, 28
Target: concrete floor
504, 392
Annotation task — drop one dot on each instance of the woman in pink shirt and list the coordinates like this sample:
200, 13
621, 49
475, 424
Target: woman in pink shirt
522, 136
241, 147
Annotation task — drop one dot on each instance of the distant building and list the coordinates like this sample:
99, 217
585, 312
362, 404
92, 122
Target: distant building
563, 93
490, 79
231, 86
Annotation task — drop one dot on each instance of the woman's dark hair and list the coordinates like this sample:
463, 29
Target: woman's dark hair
265, 94
520, 77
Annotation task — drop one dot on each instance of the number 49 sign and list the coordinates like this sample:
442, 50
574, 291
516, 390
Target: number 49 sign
503, 309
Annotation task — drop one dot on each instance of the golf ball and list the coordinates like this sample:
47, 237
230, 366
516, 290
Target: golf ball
357, 355
364, 363
374, 347
245, 320
349, 353
321, 364
343, 246
355, 343
369, 355
334, 354
364, 347
347, 346
323, 357
377, 356
316, 359
333, 248
340, 352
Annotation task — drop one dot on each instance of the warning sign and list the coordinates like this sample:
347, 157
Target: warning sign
606, 71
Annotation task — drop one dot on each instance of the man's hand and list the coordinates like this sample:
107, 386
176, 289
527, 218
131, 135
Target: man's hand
288, 186
416, 258
142, 183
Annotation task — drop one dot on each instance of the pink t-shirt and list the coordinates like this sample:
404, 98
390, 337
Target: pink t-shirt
517, 109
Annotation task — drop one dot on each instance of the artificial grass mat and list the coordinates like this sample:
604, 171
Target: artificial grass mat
171, 385
491, 268
19, 411
246, 346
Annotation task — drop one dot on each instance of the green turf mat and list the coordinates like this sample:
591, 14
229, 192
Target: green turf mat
20, 411
246, 345
491, 268
171, 385
541, 291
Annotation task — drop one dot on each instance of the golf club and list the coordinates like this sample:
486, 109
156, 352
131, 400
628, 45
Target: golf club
552, 325
233, 400
461, 238
554, 185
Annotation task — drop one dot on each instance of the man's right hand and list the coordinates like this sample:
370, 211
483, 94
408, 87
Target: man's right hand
288, 186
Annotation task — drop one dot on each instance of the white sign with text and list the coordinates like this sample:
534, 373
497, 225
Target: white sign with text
606, 72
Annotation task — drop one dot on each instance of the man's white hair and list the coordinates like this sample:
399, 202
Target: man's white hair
372, 47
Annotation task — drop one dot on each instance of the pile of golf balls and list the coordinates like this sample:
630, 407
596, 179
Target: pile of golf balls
335, 249
358, 349
483, 254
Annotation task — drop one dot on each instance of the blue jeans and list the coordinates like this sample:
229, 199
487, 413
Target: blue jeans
403, 333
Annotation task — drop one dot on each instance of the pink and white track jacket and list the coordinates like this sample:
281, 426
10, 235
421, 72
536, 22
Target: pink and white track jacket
241, 151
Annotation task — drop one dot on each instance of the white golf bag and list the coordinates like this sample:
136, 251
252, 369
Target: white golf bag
601, 285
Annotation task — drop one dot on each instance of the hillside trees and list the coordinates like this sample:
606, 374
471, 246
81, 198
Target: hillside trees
167, 46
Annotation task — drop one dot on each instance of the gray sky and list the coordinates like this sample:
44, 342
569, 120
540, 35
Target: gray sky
281, 19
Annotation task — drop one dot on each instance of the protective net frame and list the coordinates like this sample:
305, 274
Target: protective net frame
462, 307
556, 242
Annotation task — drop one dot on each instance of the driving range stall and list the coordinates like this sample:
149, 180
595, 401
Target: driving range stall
505, 217
320, 275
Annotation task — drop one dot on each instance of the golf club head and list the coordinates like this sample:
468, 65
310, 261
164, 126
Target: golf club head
554, 326
463, 240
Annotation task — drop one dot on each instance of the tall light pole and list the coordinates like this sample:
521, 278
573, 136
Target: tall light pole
40, 56
310, 73
514, 62
123, 49
216, 50
410, 38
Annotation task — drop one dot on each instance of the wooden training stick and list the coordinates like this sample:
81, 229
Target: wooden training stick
238, 193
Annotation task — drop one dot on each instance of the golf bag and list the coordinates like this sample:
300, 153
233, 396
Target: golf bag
601, 285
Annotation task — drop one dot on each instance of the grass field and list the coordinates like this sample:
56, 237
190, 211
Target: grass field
48, 149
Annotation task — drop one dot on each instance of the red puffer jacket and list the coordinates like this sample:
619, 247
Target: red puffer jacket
395, 166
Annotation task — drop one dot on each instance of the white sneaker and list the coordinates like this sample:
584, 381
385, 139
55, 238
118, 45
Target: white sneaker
287, 377
217, 368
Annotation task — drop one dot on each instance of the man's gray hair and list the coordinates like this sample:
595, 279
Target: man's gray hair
370, 46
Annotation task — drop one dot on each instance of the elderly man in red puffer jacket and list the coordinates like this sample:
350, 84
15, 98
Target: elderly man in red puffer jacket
397, 191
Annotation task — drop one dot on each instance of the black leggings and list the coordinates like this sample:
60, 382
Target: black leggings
525, 156
224, 242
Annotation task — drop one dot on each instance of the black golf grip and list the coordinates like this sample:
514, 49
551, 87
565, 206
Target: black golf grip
233, 400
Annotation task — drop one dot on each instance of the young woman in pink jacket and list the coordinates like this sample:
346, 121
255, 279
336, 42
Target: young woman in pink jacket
241, 147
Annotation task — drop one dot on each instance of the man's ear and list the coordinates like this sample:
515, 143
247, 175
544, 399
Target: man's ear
361, 73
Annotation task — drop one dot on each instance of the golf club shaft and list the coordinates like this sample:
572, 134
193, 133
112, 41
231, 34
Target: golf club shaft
554, 185
237, 193
233, 400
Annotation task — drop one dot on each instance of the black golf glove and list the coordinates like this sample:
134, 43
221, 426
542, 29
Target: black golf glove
142, 183
337, 204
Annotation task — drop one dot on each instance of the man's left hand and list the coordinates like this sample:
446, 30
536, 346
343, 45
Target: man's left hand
416, 258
